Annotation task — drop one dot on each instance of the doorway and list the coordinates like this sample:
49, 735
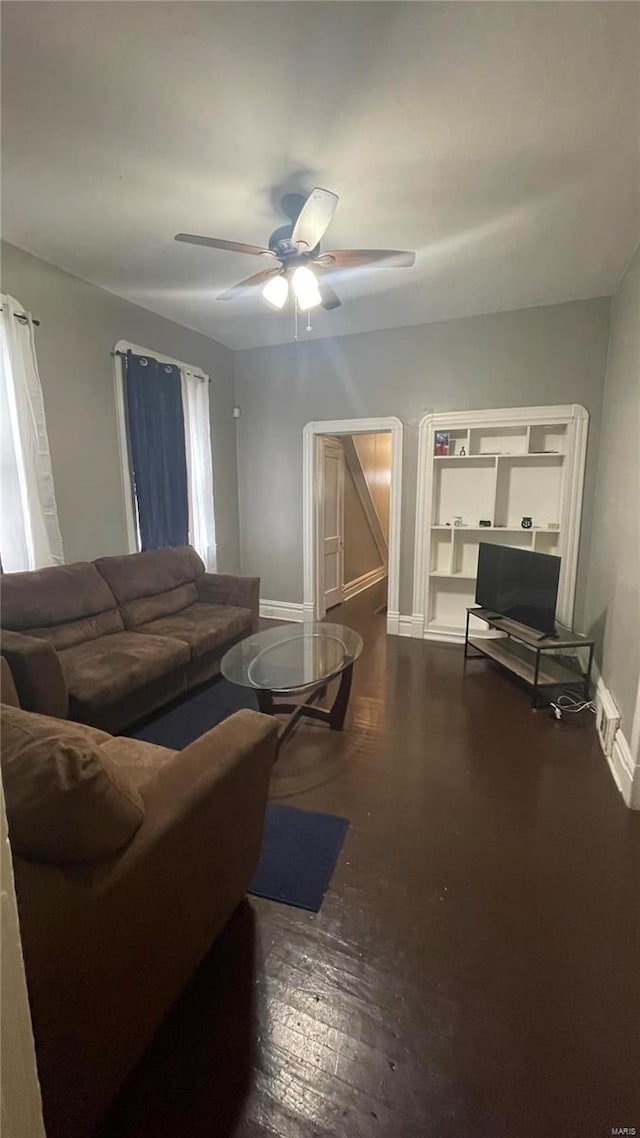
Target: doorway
351, 512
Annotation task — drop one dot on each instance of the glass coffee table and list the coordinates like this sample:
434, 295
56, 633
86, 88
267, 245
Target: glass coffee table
296, 659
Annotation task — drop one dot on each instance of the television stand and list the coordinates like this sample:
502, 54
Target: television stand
547, 665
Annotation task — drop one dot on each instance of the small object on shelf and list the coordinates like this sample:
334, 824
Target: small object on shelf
527, 523
484, 522
463, 452
442, 443
457, 521
553, 525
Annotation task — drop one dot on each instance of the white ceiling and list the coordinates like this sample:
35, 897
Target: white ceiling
498, 140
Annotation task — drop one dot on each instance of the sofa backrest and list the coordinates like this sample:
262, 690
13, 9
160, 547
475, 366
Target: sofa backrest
67, 800
64, 604
152, 584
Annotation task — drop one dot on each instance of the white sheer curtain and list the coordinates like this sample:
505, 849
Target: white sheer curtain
197, 436
29, 530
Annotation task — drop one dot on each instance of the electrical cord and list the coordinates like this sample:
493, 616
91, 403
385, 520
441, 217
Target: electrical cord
572, 701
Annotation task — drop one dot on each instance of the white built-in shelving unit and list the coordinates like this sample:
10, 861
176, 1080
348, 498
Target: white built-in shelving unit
503, 465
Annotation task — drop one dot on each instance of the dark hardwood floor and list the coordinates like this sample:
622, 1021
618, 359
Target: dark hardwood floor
474, 970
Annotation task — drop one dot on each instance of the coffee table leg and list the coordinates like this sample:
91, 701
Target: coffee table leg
265, 701
341, 703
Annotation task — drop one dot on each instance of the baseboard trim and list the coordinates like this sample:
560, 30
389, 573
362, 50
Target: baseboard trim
444, 637
417, 625
413, 626
282, 610
404, 627
624, 769
359, 584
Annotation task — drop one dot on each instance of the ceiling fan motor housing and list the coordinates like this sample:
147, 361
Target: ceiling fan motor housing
281, 244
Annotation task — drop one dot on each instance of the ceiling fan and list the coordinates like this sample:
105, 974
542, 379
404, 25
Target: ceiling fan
294, 259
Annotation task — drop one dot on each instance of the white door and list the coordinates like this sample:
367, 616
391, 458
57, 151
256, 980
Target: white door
332, 515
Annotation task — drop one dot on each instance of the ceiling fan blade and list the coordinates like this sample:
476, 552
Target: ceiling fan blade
250, 283
313, 219
218, 243
328, 297
375, 258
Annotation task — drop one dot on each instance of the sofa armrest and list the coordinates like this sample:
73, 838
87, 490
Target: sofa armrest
225, 589
204, 812
37, 674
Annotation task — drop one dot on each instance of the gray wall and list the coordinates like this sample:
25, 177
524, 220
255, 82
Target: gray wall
361, 554
613, 581
532, 356
80, 324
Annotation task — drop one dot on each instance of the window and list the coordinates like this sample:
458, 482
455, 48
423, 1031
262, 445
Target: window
29, 530
165, 445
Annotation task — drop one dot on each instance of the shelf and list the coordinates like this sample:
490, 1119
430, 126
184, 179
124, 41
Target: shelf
529, 636
519, 660
554, 454
487, 459
497, 529
453, 576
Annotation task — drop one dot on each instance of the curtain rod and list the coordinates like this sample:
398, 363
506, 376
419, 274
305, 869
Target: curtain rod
23, 316
201, 376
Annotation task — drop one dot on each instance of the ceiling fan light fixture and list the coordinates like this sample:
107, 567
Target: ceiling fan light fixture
276, 291
305, 287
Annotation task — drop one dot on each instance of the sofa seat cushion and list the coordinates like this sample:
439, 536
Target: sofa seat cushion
100, 672
202, 626
67, 801
141, 762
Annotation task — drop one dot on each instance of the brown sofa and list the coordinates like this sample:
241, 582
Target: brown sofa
129, 859
108, 642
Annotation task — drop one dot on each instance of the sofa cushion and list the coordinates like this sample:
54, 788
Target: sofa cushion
65, 604
76, 631
66, 800
144, 609
203, 627
47, 727
140, 761
145, 574
101, 672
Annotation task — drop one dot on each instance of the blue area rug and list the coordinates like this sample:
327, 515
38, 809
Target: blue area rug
300, 849
184, 721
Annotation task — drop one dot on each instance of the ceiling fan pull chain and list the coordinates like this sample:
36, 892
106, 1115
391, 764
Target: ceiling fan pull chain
309, 328
295, 318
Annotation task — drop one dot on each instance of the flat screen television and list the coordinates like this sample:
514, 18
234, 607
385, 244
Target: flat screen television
519, 584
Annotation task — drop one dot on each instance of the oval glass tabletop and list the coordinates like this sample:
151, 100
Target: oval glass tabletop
291, 657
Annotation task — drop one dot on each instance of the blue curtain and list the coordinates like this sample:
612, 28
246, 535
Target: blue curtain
155, 424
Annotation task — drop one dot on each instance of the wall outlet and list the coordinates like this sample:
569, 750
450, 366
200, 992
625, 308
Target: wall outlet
607, 720
236, 412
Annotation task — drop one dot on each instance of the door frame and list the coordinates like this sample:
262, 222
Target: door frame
336, 446
313, 603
